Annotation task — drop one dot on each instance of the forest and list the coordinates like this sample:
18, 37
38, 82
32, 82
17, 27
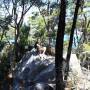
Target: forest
44, 45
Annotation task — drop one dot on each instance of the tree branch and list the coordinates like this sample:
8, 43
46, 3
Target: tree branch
2, 35
24, 12
88, 24
29, 7
6, 8
12, 26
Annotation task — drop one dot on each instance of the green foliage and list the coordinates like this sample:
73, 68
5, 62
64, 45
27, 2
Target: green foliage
40, 22
41, 34
24, 33
87, 4
55, 12
68, 27
86, 47
68, 30
4, 22
88, 29
40, 29
4, 26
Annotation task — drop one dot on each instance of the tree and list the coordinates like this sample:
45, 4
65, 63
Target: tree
4, 27
85, 25
23, 39
59, 47
4, 22
71, 38
18, 10
48, 16
39, 22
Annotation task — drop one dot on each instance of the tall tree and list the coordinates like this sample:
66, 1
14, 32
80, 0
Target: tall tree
18, 9
71, 37
59, 47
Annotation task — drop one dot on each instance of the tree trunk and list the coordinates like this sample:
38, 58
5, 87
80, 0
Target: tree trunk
16, 43
71, 38
59, 47
85, 29
48, 23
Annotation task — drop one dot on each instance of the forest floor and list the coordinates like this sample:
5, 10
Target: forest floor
85, 80
79, 83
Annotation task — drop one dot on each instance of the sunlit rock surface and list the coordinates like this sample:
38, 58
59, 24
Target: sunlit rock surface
75, 65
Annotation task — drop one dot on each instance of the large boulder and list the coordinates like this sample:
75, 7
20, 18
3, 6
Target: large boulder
35, 69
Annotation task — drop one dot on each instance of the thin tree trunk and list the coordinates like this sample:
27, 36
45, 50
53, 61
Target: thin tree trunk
48, 23
85, 28
16, 43
59, 47
2, 35
71, 38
